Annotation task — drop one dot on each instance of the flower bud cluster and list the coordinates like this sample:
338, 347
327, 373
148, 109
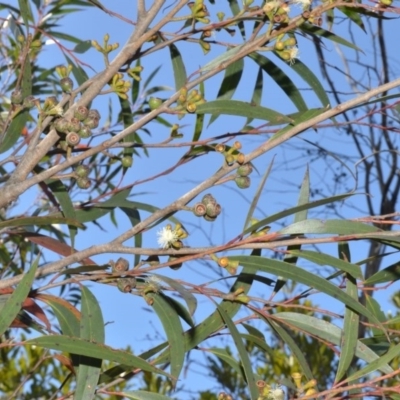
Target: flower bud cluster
106, 48
277, 11
199, 11
124, 283
230, 265
189, 101
208, 208
231, 154
134, 72
308, 389
120, 86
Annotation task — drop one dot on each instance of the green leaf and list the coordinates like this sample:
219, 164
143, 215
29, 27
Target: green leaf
92, 329
12, 306
300, 118
173, 329
83, 46
244, 356
14, 131
376, 364
329, 332
294, 210
289, 341
142, 395
260, 343
233, 74
318, 31
326, 259
375, 308
353, 15
223, 355
214, 321
25, 12
388, 274
134, 217
233, 4
312, 80
96, 350
289, 271
67, 315
190, 300
178, 66
281, 79
243, 109
332, 226
348, 341
39, 221
60, 192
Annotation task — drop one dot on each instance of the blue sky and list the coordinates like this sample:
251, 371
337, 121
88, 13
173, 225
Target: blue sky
131, 321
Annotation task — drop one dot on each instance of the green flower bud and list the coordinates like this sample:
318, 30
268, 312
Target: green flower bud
82, 171
16, 96
85, 132
154, 103
66, 84
127, 161
83, 183
81, 113
243, 182
72, 139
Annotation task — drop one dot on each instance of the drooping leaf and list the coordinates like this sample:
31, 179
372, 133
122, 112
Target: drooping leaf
178, 66
96, 350
296, 209
244, 356
173, 329
348, 340
297, 274
190, 300
312, 80
282, 80
92, 329
330, 332
388, 274
233, 74
326, 259
243, 109
13, 303
333, 226
67, 315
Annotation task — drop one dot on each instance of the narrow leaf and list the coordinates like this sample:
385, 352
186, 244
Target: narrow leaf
281, 79
333, 226
312, 80
173, 329
244, 356
190, 300
97, 350
92, 329
67, 315
243, 109
293, 210
233, 74
178, 66
330, 332
388, 274
289, 271
348, 341
326, 259
13, 304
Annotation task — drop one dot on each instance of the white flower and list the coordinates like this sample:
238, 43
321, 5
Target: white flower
303, 3
276, 394
294, 54
166, 236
